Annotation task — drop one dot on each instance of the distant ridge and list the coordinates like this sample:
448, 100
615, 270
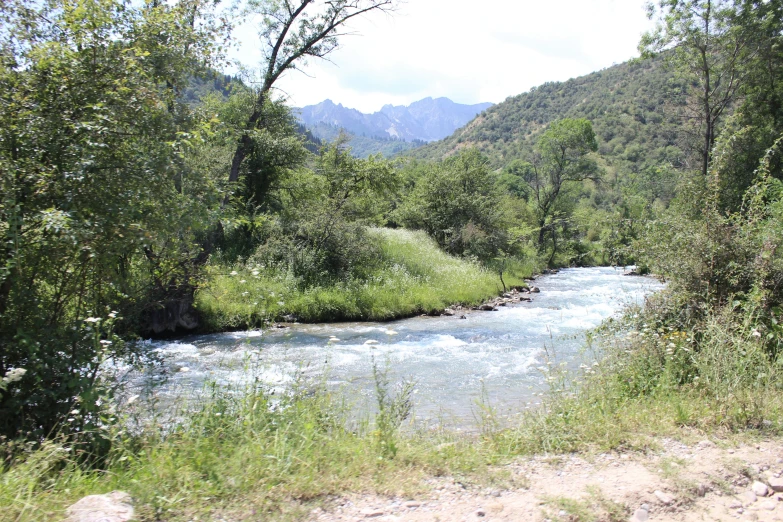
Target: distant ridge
633, 107
426, 120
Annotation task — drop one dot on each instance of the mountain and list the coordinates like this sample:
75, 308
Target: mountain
424, 121
634, 107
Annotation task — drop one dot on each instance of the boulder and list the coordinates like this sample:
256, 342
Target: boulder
534, 290
111, 507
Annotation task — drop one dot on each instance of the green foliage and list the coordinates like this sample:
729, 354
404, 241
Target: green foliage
408, 275
634, 110
458, 203
562, 158
708, 45
98, 211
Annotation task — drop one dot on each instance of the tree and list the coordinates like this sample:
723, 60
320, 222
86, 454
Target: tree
457, 202
320, 234
711, 50
562, 158
94, 215
292, 31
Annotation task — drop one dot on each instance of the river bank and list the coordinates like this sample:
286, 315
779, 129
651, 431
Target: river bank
461, 361
410, 276
302, 453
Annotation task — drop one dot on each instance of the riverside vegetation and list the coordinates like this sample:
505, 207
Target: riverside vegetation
129, 208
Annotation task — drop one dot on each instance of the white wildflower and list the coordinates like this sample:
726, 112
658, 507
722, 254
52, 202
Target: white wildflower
14, 375
92, 319
104, 342
233, 273
243, 281
756, 333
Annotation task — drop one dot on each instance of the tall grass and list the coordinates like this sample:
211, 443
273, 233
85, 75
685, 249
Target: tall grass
240, 454
648, 376
275, 457
412, 276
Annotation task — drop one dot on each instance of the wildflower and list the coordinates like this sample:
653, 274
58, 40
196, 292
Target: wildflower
756, 333
113, 314
254, 272
92, 320
672, 345
243, 281
14, 375
105, 342
233, 273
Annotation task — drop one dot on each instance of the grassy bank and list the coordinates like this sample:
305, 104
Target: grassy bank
410, 276
255, 454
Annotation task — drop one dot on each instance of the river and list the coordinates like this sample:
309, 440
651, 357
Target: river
494, 357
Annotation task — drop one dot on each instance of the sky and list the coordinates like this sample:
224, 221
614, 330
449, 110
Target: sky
468, 51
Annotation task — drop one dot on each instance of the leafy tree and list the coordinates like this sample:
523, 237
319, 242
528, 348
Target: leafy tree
319, 234
98, 212
292, 31
562, 158
710, 49
457, 202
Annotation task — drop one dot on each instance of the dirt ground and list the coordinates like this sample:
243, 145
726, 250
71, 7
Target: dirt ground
704, 481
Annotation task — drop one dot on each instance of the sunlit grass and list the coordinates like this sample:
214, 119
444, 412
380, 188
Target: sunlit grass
413, 276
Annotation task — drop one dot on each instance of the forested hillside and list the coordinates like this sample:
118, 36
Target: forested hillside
634, 108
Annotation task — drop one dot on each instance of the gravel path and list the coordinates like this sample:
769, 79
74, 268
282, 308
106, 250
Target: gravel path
704, 481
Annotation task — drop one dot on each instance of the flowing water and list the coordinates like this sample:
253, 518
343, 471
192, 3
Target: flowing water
492, 357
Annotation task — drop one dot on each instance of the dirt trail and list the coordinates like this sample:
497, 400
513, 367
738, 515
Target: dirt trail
698, 482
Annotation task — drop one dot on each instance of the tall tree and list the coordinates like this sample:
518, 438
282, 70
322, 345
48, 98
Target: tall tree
708, 48
562, 158
457, 202
293, 31
93, 216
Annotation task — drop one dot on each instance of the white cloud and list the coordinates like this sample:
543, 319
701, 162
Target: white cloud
468, 51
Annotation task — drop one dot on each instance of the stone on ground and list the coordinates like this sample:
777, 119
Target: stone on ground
111, 507
760, 489
665, 498
775, 483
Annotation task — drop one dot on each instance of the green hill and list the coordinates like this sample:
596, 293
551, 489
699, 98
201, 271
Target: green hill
633, 108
